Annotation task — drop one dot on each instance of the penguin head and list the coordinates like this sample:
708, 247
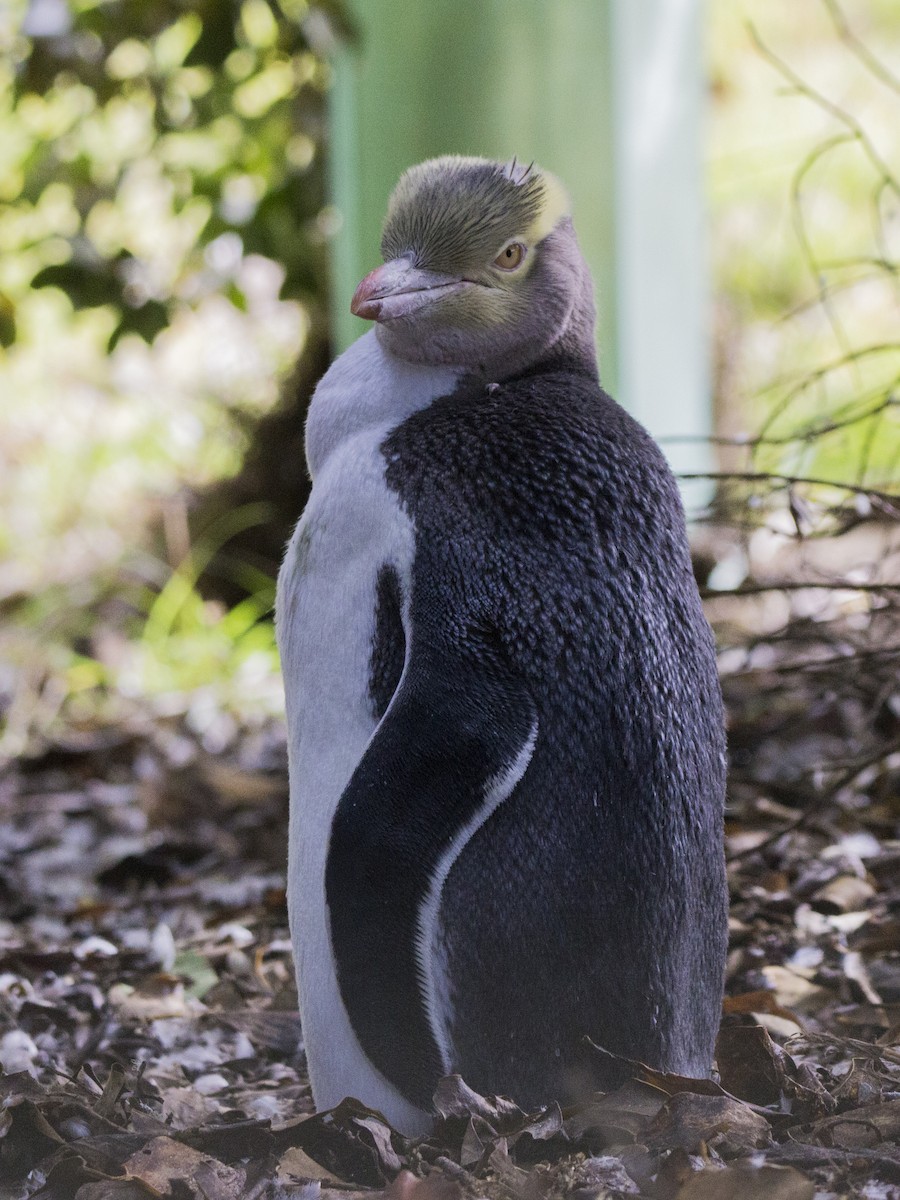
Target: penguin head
481, 267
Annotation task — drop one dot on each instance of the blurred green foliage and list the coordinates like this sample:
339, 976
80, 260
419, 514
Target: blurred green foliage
162, 240
805, 214
161, 246
136, 133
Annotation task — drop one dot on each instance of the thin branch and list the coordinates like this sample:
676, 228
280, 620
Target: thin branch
818, 800
762, 589
891, 498
858, 47
806, 247
846, 119
811, 378
820, 664
809, 434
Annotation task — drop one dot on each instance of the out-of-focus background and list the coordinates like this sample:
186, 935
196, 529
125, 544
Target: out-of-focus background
170, 177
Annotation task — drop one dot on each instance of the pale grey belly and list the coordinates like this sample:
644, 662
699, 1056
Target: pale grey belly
326, 605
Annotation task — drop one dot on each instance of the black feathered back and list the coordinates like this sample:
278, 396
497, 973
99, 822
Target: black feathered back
551, 580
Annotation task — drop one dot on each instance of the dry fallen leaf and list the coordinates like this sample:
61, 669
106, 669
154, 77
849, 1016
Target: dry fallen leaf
751, 1003
119, 1189
434, 1186
791, 990
607, 1173
454, 1098
295, 1166
861, 1128
621, 1116
155, 999
855, 970
163, 1162
750, 1065
690, 1121
748, 1183
843, 894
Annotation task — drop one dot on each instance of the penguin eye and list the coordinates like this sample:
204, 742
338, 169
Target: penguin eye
510, 257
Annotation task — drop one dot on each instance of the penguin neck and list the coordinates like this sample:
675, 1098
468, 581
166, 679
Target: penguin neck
571, 344
571, 347
563, 293
574, 349
367, 391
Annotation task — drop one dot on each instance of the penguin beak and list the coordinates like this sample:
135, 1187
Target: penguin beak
398, 289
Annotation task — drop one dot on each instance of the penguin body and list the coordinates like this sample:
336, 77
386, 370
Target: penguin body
332, 629
505, 729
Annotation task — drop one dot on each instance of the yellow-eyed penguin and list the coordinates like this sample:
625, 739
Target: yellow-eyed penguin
505, 726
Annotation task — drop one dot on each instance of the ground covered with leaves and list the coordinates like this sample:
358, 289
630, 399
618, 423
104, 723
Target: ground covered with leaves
149, 1038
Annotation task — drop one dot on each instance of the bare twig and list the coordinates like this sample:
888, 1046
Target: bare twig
873, 65
841, 115
801, 585
817, 801
777, 479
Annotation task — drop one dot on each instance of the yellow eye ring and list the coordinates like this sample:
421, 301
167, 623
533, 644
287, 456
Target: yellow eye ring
510, 257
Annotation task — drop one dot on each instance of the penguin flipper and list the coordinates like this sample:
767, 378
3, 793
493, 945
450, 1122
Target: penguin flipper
451, 747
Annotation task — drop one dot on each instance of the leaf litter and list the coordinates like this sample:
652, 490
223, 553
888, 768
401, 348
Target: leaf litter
149, 1037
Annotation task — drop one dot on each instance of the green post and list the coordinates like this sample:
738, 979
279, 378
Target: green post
488, 77
604, 93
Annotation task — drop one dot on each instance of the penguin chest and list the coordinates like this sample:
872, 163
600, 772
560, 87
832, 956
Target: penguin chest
352, 536
352, 532
331, 590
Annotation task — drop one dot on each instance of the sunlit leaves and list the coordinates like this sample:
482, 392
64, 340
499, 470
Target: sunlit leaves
130, 59
258, 23
255, 97
87, 108
175, 42
154, 246
7, 321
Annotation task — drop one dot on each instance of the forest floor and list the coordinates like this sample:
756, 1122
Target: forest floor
148, 1027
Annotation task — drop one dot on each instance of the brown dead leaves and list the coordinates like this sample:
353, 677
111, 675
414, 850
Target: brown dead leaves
150, 1041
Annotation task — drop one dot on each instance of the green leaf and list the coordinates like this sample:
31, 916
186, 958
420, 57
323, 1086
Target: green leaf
7, 321
198, 971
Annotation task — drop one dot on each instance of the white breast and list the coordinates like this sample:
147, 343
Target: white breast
351, 527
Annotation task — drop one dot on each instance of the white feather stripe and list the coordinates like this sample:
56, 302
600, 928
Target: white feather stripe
429, 951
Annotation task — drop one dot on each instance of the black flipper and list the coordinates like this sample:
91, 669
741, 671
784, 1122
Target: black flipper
458, 722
